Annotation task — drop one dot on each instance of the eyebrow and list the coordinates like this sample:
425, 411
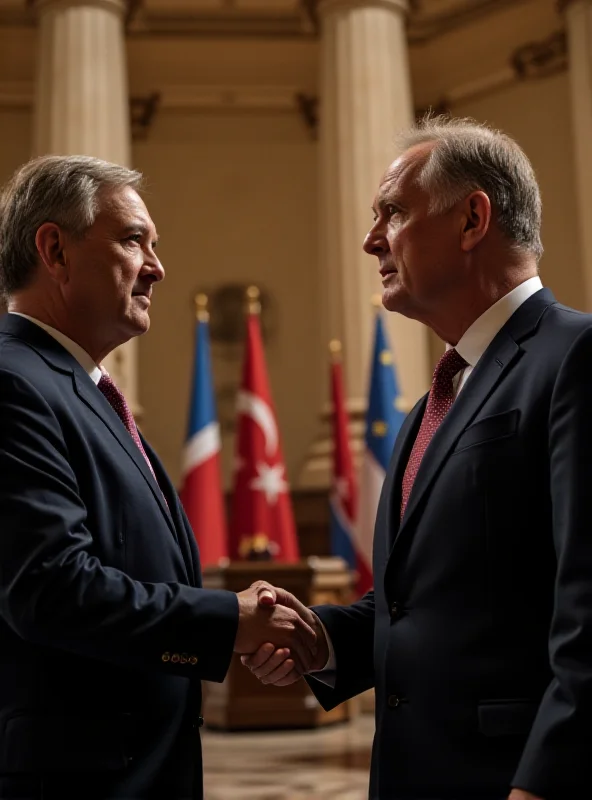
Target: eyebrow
386, 199
142, 228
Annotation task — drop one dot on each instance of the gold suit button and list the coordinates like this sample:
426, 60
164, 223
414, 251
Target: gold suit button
193, 660
175, 658
166, 656
184, 658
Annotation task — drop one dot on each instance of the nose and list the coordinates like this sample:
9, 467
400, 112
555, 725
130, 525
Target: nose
159, 272
375, 244
154, 268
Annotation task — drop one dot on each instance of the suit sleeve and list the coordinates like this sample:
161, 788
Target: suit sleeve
557, 757
351, 629
53, 592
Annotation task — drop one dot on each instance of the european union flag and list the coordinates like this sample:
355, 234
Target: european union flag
384, 418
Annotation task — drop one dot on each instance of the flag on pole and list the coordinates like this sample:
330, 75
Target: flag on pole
262, 522
201, 490
383, 421
344, 495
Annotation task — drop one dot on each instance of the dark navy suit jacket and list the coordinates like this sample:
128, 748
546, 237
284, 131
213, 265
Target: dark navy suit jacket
478, 634
104, 631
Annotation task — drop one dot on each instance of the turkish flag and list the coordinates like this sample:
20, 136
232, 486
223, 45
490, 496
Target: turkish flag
262, 522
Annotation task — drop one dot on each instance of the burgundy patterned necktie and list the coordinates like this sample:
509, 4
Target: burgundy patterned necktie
439, 402
117, 401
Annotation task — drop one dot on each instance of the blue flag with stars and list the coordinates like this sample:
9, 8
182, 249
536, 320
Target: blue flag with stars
384, 418
383, 421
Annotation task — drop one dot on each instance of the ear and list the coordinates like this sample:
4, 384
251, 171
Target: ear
476, 219
50, 241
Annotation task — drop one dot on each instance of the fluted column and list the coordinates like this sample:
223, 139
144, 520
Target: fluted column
578, 17
365, 101
82, 107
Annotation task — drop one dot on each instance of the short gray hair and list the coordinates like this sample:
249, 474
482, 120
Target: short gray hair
469, 156
60, 189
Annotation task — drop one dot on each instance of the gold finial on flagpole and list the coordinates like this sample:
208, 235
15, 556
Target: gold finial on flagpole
201, 307
377, 300
253, 300
335, 350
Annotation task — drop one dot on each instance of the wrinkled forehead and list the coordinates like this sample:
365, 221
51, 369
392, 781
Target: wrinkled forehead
117, 199
400, 176
123, 203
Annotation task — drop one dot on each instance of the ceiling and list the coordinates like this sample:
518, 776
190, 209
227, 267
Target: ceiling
427, 19
459, 48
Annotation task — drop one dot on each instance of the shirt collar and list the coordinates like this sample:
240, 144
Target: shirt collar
482, 332
73, 348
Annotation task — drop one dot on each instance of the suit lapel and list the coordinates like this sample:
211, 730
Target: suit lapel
185, 536
58, 358
390, 501
94, 399
491, 369
482, 381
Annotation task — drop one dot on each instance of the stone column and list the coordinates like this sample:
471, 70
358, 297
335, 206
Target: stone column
82, 106
578, 17
365, 100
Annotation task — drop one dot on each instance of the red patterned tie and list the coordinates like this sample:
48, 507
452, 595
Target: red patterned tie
438, 405
118, 403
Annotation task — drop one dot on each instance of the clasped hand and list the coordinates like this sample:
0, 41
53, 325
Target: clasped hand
278, 637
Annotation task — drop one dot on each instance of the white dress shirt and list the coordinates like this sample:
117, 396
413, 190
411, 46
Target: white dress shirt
83, 358
483, 331
471, 347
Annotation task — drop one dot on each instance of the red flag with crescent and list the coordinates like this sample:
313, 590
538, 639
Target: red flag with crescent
262, 520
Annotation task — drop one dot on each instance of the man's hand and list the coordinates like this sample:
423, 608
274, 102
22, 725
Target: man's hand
265, 622
520, 794
278, 666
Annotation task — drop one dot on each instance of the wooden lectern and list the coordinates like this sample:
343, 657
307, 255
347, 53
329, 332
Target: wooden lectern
242, 702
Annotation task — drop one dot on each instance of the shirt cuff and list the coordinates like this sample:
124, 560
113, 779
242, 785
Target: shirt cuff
327, 674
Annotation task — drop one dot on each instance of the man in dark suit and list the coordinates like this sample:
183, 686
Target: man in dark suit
105, 632
478, 635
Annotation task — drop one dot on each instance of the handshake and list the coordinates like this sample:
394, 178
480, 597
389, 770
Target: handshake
278, 637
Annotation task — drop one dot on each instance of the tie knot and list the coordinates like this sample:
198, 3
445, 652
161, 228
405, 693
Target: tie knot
448, 365
106, 382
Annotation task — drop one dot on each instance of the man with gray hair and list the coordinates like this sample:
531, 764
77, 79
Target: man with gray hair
477, 636
105, 631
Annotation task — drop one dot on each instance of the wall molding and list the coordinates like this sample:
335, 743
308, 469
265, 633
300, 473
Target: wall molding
232, 97
17, 95
146, 105
529, 62
424, 25
300, 21
226, 20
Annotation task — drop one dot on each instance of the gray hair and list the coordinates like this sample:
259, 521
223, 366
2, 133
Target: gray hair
469, 156
60, 189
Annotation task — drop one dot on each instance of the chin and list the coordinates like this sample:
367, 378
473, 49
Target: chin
394, 299
138, 324
399, 302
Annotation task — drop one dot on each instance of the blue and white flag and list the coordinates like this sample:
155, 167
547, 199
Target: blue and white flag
383, 421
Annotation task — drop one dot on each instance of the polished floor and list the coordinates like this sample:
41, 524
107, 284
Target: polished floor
290, 765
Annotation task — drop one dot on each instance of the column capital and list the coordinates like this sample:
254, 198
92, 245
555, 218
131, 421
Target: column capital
117, 6
324, 7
